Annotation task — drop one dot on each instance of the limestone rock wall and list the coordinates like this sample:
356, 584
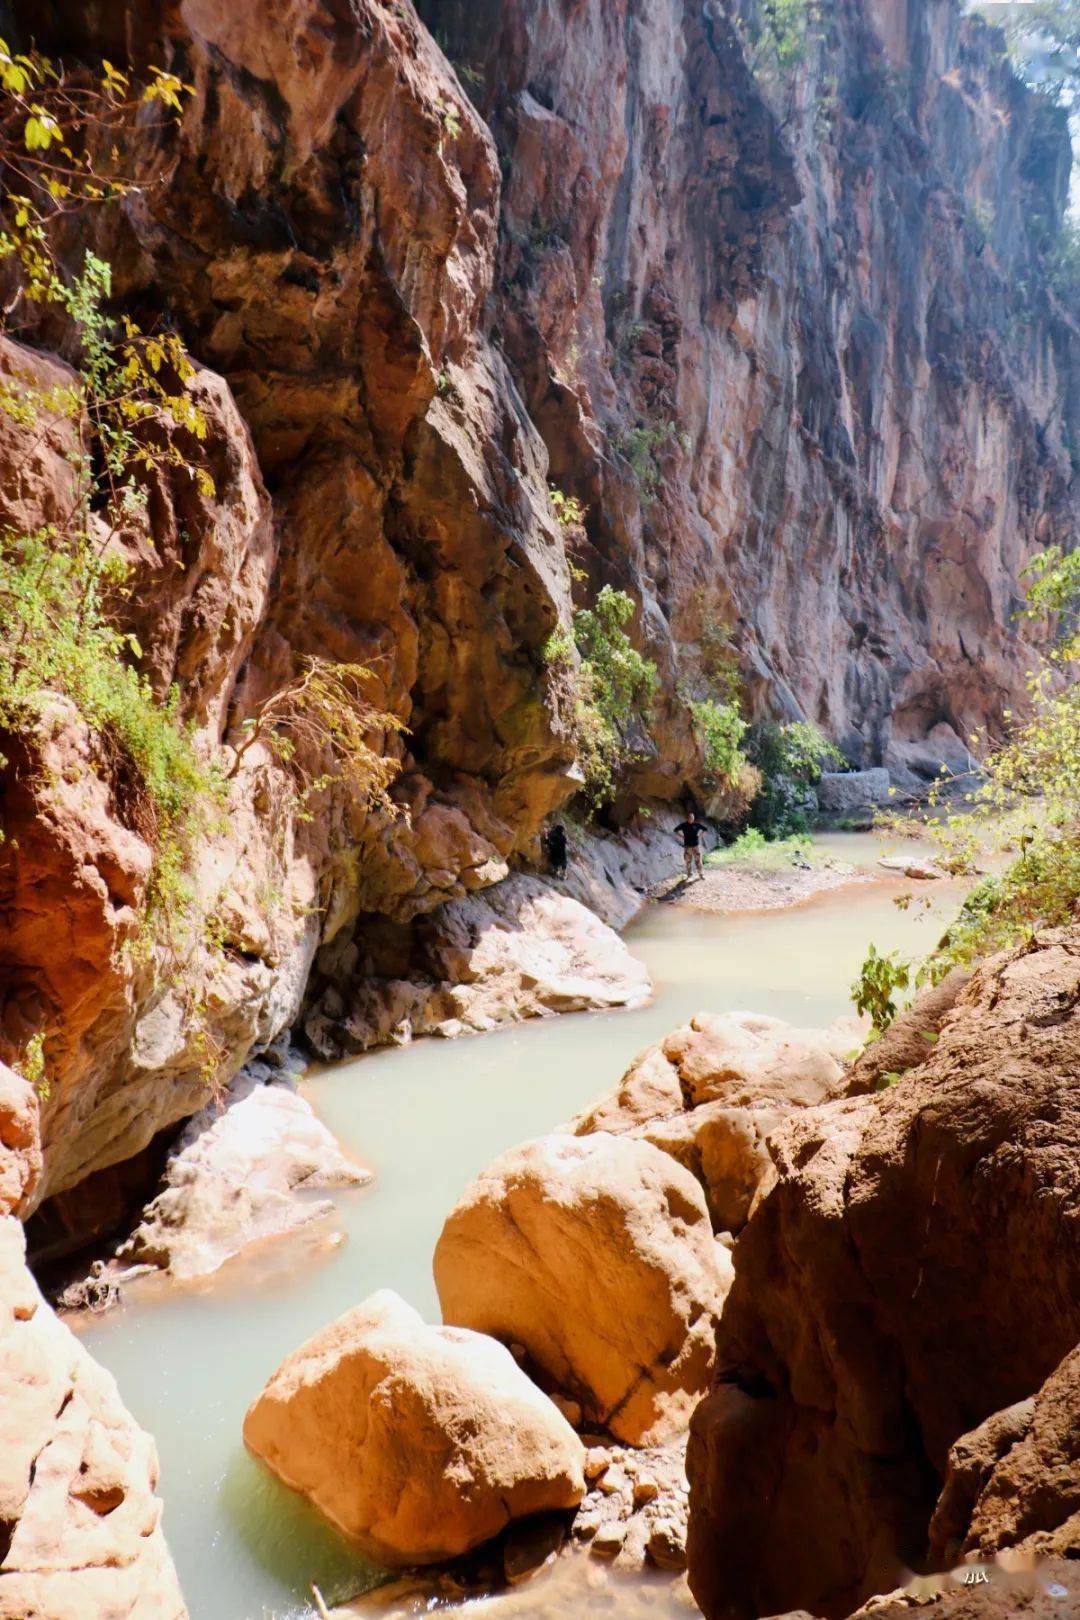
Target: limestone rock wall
825, 282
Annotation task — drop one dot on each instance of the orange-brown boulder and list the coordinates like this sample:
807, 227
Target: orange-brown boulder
710, 1094
914, 1269
417, 1442
20, 1142
80, 1523
597, 1255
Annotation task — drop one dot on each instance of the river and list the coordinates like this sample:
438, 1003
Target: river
425, 1118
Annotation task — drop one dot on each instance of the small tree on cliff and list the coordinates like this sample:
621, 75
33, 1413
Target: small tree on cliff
318, 726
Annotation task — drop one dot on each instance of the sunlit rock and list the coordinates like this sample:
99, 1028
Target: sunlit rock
417, 1442
596, 1253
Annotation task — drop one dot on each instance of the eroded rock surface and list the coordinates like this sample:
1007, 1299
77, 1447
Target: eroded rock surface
746, 319
417, 1442
20, 1142
787, 268
519, 950
710, 1094
596, 1255
1015, 1480
914, 1270
81, 1525
237, 1175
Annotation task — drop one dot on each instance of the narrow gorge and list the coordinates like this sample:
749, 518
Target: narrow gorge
453, 454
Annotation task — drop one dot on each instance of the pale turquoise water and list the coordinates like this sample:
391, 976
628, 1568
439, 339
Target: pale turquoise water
426, 1118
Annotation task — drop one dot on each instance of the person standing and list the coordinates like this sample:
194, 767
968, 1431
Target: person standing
690, 833
556, 848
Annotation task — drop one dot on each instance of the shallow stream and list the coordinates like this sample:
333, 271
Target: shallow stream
426, 1118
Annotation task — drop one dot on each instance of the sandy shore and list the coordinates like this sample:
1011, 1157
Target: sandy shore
749, 886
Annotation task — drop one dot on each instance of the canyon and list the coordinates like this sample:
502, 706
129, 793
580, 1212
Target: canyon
417, 298
492, 305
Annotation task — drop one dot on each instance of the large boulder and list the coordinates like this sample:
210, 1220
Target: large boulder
519, 950
80, 1525
236, 1176
596, 1254
417, 1442
841, 792
710, 1094
744, 1059
914, 1269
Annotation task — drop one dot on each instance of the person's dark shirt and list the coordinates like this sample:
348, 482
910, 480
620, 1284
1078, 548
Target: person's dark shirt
691, 833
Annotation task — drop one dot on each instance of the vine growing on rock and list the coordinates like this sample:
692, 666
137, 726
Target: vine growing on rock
602, 684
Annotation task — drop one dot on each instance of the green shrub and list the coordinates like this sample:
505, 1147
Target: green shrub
779, 37
625, 681
611, 684
799, 749
1054, 591
874, 991
569, 511
60, 584
720, 730
31, 1066
791, 759
1027, 806
753, 845
643, 446
719, 660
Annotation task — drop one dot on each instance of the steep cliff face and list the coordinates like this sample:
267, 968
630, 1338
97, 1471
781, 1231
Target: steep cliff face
782, 333
824, 281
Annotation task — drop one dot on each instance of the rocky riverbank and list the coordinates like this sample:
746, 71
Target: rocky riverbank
589, 1260
750, 886
696, 1227
242, 1172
